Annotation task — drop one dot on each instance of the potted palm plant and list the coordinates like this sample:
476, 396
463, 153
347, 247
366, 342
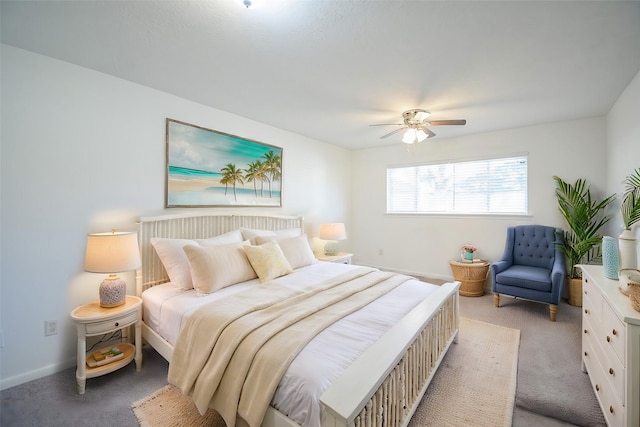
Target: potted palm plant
581, 242
630, 209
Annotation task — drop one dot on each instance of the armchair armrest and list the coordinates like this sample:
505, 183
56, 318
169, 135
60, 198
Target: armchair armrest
499, 266
495, 268
558, 276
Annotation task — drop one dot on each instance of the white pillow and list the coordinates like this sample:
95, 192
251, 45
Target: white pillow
296, 249
215, 267
234, 236
251, 233
268, 261
174, 260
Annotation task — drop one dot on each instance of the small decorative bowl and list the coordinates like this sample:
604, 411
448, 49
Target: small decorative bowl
627, 276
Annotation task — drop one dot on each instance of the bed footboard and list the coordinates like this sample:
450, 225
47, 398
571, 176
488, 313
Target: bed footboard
385, 385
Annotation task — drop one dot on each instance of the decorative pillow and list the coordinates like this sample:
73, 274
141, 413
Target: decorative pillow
296, 249
268, 260
251, 233
234, 236
174, 260
216, 267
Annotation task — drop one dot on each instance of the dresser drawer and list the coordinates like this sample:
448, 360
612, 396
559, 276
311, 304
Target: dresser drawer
615, 332
592, 300
612, 369
109, 325
612, 408
591, 311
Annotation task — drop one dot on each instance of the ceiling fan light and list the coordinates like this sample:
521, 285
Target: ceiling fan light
421, 135
409, 136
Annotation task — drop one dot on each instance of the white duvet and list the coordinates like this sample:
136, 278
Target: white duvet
166, 308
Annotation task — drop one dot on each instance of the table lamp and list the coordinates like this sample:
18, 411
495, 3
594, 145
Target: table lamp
112, 252
332, 233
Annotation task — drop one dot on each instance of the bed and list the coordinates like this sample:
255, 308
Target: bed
378, 382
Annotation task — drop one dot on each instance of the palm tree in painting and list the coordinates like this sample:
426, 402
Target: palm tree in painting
255, 173
273, 164
231, 175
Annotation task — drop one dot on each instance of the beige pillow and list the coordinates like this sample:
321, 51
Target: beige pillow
296, 249
268, 261
216, 267
175, 261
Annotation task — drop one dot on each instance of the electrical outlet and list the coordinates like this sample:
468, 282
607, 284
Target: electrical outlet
50, 327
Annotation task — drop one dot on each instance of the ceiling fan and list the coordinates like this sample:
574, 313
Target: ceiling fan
415, 122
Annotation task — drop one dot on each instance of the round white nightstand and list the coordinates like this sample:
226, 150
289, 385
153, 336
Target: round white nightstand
92, 319
340, 257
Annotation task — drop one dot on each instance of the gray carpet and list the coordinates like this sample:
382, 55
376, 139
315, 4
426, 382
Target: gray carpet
552, 390
550, 380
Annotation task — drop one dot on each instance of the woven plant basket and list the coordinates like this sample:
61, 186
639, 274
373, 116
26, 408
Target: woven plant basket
575, 292
634, 295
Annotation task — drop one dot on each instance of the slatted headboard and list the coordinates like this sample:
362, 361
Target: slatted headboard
194, 226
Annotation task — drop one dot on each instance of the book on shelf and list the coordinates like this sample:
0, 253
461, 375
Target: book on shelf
104, 356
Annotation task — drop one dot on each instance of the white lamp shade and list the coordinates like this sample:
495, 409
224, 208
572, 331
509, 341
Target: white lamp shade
333, 231
112, 252
412, 136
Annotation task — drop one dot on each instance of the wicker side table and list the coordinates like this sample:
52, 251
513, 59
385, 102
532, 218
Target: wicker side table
471, 276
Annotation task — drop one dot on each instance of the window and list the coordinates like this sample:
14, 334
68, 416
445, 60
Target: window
491, 186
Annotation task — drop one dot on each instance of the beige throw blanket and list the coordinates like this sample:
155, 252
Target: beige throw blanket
232, 353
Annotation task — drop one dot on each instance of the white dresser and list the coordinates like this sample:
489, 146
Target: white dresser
611, 347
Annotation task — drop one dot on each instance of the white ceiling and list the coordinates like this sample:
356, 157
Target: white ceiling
329, 69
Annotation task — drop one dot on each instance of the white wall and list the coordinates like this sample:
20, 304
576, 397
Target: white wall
84, 152
425, 244
623, 147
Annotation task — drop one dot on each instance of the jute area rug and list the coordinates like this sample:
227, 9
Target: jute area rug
475, 385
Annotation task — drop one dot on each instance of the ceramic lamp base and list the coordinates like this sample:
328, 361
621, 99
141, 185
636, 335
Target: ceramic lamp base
113, 291
331, 248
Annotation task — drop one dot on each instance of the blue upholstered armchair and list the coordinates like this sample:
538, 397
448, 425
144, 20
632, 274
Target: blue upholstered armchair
532, 266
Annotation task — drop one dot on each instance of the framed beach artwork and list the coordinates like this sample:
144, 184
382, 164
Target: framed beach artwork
207, 168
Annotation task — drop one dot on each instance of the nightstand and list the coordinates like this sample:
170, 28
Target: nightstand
91, 320
340, 257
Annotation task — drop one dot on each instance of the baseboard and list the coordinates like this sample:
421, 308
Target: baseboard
35, 374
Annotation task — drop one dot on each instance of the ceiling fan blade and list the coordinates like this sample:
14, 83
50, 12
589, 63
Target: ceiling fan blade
392, 132
447, 122
428, 131
388, 124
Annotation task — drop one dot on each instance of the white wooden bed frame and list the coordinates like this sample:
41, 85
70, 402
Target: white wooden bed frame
384, 386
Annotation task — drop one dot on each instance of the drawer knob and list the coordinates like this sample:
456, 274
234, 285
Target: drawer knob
586, 354
611, 409
117, 324
586, 311
611, 371
608, 338
597, 387
586, 331
614, 332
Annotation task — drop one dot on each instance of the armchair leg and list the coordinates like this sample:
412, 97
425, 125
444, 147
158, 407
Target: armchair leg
496, 300
552, 312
